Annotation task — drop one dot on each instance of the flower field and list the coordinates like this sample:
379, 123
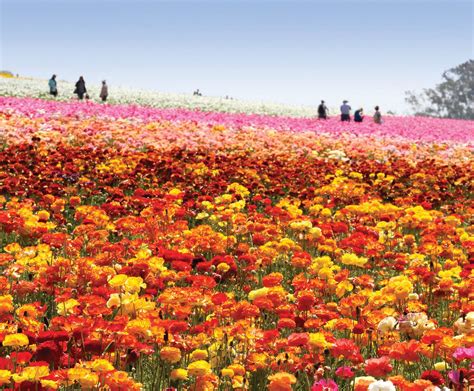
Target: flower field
176, 249
37, 88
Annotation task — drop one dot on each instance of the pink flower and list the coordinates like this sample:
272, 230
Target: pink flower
325, 385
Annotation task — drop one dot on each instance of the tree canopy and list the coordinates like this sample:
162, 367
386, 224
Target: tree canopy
452, 98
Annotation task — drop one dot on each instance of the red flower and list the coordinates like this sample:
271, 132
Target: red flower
298, 339
286, 323
378, 367
405, 351
434, 377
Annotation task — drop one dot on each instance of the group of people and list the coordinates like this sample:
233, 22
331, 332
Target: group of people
346, 113
80, 89
323, 111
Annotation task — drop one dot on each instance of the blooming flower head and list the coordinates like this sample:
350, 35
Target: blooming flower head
281, 381
199, 354
325, 385
179, 374
170, 354
344, 372
15, 340
381, 385
378, 366
199, 368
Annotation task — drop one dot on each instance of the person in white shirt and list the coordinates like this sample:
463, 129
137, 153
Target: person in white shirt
345, 111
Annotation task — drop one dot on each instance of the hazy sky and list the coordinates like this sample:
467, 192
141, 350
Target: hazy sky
297, 52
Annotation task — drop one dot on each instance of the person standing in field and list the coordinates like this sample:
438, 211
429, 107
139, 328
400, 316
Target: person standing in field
377, 116
53, 86
80, 88
104, 91
345, 111
359, 115
322, 111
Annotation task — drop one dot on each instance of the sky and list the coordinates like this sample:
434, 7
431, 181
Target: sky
297, 52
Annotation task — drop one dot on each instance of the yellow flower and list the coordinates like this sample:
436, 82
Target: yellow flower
15, 340
118, 280
238, 189
43, 215
134, 284
6, 304
315, 233
170, 354
5, 376
49, 384
83, 376
354, 260
227, 372
342, 287
114, 300
67, 307
179, 374
238, 369
101, 365
31, 374
301, 225
140, 327
199, 368
199, 354
223, 267
318, 341
441, 366
255, 294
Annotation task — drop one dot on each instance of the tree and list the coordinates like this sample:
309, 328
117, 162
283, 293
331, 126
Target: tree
452, 98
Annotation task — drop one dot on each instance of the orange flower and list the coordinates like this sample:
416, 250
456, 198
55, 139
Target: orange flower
281, 381
405, 351
272, 279
170, 354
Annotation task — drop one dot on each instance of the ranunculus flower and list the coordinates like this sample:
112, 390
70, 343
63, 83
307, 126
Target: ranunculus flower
381, 385
15, 340
281, 381
170, 354
325, 385
344, 372
199, 368
378, 366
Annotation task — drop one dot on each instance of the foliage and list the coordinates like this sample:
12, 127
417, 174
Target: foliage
452, 98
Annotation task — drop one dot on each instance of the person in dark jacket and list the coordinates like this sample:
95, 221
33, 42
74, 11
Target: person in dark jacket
53, 86
80, 88
322, 111
377, 116
104, 91
359, 115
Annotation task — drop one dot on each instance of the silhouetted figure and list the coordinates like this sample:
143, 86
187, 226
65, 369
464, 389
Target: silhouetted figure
345, 111
197, 93
104, 91
80, 88
359, 115
377, 116
53, 86
322, 111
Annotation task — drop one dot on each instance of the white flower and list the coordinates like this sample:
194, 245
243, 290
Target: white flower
387, 324
381, 385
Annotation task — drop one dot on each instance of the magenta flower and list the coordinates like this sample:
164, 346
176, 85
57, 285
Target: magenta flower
325, 385
464, 354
